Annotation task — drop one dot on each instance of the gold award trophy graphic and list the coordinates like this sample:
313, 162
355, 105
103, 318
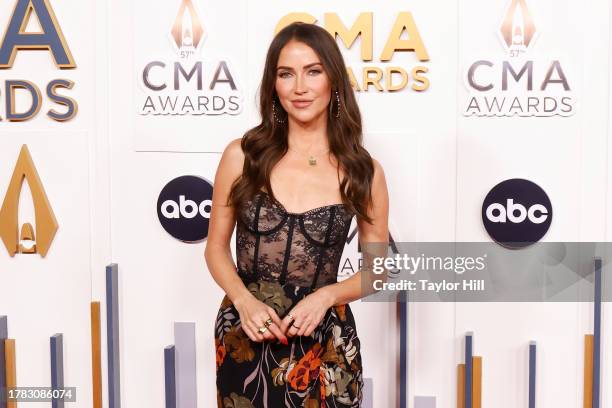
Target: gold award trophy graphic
517, 29
28, 240
187, 32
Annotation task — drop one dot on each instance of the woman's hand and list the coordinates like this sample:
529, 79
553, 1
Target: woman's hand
253, 315
307, 314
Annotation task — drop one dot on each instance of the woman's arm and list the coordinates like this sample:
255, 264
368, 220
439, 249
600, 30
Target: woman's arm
218, 254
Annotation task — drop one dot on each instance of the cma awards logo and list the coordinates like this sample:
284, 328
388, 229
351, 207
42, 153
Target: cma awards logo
20, 37
25, 239
184, 206
519, 85
188, 86
403, 36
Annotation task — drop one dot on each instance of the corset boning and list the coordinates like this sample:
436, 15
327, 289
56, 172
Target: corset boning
299, 249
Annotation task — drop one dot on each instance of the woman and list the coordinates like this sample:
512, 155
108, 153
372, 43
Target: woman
284, 334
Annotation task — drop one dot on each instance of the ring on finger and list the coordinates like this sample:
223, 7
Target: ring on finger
289, 315
263, 329
268, 322
293, 325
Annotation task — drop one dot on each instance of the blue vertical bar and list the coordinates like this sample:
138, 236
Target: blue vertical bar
532, 374
402, 306
112, 335
3, 336
169, 376
597, 333
57, 367
468, 369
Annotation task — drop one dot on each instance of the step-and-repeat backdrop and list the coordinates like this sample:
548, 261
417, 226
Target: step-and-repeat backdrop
113, 117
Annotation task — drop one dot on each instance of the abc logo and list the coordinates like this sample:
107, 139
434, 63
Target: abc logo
516, 213
183, 208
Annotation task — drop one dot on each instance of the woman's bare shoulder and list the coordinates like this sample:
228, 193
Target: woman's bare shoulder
231, 164
233, 154
234, 149
378, 169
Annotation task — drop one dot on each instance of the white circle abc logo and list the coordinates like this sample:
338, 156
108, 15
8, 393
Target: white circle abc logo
516, 213
183, 208
537, 213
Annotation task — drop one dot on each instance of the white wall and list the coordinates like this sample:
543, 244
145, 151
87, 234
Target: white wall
104, 169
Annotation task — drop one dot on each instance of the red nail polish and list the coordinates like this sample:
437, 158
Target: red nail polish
285, 342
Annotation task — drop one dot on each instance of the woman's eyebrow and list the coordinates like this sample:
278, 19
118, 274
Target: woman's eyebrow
305, 66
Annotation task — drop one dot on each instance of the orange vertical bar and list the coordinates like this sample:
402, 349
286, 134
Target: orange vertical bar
588, 371
96, 365
460, 385
476, 382
11, 368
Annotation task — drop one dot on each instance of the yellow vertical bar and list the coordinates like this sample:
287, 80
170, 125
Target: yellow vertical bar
11, 368
476, 382
96, 364
588, 371
460, 385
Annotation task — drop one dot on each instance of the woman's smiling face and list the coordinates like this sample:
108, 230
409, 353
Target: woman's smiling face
302, 85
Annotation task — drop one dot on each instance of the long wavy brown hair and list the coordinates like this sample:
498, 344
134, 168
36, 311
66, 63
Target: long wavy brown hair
265, 144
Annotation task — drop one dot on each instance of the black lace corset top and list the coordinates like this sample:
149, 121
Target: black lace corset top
300, 249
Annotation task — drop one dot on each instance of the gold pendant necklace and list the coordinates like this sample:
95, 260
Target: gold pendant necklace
312, 160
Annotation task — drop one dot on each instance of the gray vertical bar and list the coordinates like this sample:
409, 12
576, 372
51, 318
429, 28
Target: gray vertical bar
169, 375
424, 402
185, 352
3, 336
57, 367
597, 334
532, 374
112, 335
468, 369
368, 393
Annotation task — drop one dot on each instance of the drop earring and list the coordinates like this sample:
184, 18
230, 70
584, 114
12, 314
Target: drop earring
276, 118
337, 103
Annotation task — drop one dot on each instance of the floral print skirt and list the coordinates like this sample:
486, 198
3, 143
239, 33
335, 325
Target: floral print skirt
322, 370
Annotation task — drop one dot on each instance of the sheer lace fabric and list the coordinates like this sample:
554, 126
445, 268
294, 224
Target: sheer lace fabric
300, 249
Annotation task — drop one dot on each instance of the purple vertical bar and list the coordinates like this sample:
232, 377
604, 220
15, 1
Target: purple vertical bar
57, 367
468, 369
424, 402
112, 335
532, 374
368, 393
169, 376
185, 352
402, 307
597, 335
3, 336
